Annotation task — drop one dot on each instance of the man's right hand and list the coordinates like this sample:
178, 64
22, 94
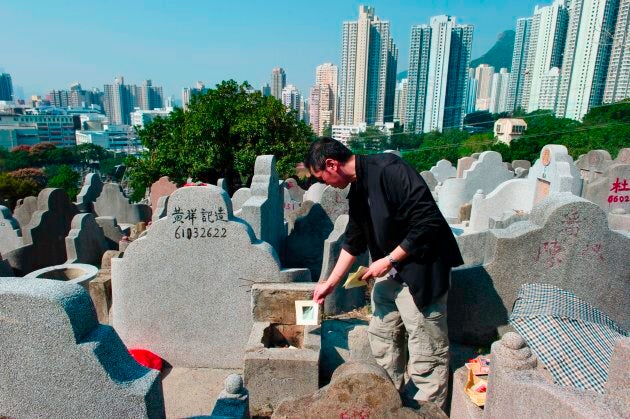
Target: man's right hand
322, 289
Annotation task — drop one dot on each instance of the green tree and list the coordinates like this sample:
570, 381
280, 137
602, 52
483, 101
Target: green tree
12, 189
89, 154
64, 177
370, 141
220, 135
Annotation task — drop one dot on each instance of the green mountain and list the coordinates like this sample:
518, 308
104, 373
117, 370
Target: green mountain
500, 55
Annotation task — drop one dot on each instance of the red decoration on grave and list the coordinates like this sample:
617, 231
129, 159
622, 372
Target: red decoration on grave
147, 358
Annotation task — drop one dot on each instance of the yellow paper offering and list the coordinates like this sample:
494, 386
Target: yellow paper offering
354, 279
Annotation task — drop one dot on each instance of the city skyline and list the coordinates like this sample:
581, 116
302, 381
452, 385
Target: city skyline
176, 45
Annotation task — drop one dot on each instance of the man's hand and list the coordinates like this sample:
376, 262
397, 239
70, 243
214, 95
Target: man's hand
322, 289
377, 269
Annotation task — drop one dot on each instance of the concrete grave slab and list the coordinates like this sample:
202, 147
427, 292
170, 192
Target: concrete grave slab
113, 202
80, 368
611, 190
464, 164
162, 187
24, 210
485, 174
443, 170
161, 209
112, 231
175, 286
593, 164
86, 241
91, 189
10, 233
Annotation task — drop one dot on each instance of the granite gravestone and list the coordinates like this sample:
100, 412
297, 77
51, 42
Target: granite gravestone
263, 210
10, 233
443, 170
553, 172
295, 191
24, 210
341, 300
86, 241
566, 242
464, 164
44, 236
57, 361
593, 164
91, 189
175, 287
112, 231
485, 174
161, 208
162, 187
611, 190
623, 157
113, 202
239, 198
429, 179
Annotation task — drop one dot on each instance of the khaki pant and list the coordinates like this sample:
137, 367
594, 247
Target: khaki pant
394, 311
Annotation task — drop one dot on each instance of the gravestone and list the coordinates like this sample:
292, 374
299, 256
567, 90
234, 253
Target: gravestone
308, 229
162, 187
174, 287
443, 170
91, 189
314, 192
485, 174
57, 361
566, 242
10, 233
553, 172
113, 202
611, 190
289, 204
222, 183
240, 197
295, 191
5, 267
86, 242
44, 237
623, 157
334, 201
23, 211
464, 164
341, 300
593, 164
263, 210
523, 164
160, 210
112, 231
429, 179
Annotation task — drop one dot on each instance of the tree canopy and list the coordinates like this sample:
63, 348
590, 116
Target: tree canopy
220, 135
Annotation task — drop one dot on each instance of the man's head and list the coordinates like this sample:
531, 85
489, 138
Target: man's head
328, 159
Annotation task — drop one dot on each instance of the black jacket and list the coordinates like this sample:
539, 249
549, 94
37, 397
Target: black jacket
391, 205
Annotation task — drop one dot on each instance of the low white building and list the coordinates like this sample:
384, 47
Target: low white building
508, 129
342, 133
140, 117
112, 137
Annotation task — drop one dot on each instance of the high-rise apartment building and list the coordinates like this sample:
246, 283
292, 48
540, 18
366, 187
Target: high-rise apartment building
76, 97
118, 101
6, 87
149, 97
483, 74
500, 87
519, 64
471, 97
439, 57
549, 85
586, 56
400, 101
322, 103
367, 81
291, 98
189, 92
546, 47
618, 79
278, 82
265, 90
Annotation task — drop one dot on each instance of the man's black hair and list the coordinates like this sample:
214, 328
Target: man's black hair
326, 148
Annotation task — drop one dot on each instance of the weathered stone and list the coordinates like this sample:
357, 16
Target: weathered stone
85, 242
566, 242
73, 273
275, 303
356, 390
162, 187
274, 371
611, 189
24, 211
443, 170
113, 202
623, 157
263, 210
464, 212
233, 401
80, 368
10, 233
100, 288
484, 174
341, 300
336, 345
91, 189
240, 197
464, 164
295, 191
161, 208
112, 231
44, 237
523, 164
174, 286
429, 179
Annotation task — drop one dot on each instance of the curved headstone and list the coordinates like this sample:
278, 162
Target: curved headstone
113, 202
91, 189
10, 233
86, 241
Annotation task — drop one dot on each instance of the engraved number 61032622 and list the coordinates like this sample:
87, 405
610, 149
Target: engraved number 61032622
200, 232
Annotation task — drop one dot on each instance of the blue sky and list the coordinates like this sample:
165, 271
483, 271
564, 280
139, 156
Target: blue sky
48, 45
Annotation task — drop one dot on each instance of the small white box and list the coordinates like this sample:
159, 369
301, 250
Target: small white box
306, 313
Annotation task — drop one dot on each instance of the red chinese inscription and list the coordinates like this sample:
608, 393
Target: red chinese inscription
618, 186
550, 252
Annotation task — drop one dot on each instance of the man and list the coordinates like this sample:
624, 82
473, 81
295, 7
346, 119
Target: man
393, 214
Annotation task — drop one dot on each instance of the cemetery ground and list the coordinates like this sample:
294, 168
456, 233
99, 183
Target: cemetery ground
200, 285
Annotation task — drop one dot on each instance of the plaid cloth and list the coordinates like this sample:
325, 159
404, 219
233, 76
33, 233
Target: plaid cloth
571, 338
